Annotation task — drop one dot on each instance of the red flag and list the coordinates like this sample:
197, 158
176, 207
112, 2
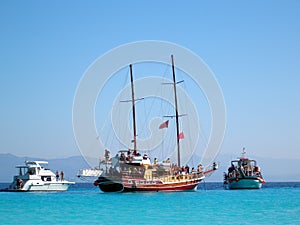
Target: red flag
181, 136
164, 125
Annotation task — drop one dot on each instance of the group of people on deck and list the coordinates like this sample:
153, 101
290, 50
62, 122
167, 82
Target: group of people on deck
176, 170
128, 157
62, 175
245, 169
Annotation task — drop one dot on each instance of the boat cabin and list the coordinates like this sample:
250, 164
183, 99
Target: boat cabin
244, 166
34, 168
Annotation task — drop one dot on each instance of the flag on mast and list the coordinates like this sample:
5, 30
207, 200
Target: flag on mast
181, 136
164, 125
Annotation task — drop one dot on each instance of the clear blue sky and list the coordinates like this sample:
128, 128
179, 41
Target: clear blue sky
253, 48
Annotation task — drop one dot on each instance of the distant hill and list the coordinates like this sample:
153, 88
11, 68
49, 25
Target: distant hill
272, 169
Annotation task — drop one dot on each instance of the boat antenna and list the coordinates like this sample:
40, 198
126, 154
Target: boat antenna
176, 110
243, 152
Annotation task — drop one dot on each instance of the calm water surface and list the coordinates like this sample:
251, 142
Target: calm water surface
276, 203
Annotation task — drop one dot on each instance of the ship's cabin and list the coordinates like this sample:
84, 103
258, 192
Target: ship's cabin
32, 168
244, 166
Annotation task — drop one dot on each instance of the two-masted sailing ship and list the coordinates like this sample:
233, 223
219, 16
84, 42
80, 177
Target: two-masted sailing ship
130, 171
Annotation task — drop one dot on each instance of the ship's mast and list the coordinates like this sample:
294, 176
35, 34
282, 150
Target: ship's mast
176, 110
133, 110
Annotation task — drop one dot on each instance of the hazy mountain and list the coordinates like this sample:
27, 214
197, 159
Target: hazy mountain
272, 169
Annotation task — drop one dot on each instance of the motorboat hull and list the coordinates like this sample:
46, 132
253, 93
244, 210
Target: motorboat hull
40, 186
244, 183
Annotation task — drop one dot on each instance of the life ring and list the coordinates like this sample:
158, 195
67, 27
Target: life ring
237, 179
96, 183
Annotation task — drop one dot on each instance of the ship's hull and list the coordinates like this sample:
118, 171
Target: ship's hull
141, 185
244, 183
109, 185
163, 187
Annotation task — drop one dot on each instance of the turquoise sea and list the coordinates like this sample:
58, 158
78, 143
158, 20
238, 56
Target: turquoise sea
275, 203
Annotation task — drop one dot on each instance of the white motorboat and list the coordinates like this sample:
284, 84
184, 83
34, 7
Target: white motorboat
89, 175
34, 177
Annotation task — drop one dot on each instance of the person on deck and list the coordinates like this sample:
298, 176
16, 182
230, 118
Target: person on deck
199, 168
62, 175
187, 169
57, 175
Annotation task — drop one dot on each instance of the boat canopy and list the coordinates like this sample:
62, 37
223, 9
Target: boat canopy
36, 162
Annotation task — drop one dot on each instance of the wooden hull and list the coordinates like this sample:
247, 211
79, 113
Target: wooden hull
128, 184
180, 186
109, 185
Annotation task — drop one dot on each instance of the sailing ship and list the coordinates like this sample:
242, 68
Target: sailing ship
243, 174
129, 171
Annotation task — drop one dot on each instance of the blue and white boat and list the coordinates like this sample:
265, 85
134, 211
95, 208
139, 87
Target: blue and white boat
243, 174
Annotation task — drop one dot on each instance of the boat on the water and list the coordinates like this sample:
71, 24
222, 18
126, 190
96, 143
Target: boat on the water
130, 171
33, 176
244, 173
133, 173
89, 174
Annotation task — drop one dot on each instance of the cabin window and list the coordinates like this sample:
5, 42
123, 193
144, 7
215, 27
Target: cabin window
31, 171
130, 182
46, 178
141, 182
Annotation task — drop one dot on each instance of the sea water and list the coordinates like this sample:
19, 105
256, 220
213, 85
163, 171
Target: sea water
275, 203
